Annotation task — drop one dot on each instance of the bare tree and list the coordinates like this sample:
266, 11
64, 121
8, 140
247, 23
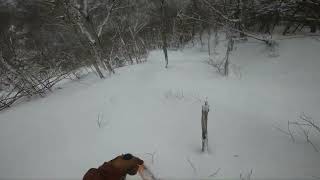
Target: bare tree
84, 18
163, 7
227, 57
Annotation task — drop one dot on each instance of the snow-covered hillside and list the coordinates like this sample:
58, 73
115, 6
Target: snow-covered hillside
155, 113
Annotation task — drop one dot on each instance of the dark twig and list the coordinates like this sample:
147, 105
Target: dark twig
290, 133
281, 130
215, 173
192, 165
152, 156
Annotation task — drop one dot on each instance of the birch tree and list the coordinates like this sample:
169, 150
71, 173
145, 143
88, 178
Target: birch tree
92, 26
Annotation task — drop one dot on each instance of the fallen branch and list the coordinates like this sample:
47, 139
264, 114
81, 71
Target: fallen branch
307, 122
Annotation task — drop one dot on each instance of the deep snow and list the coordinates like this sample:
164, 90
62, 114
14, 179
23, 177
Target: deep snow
147, 109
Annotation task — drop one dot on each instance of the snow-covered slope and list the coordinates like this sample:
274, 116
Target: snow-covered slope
147, 109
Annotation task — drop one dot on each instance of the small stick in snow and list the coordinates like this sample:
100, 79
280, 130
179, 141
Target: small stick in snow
204, 125
215, 173
192, 165
248, 176
99, 121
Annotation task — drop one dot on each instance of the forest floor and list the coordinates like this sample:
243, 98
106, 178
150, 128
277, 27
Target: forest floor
155, 114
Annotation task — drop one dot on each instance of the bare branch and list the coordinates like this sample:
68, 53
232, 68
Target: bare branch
290, 133
309, 121
281, 130
220, 13
106, 19
230, 28
152, 156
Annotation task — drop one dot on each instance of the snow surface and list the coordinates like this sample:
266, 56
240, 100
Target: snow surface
146, 109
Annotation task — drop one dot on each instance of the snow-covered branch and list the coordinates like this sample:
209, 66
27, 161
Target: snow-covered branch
86, 32
106, 19
220, 13
230, 28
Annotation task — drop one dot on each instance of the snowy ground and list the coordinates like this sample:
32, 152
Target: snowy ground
147, 109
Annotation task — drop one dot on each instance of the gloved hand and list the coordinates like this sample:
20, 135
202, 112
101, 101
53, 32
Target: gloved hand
127, 164
116, 169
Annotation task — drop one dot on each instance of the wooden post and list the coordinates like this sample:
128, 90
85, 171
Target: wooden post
204, 125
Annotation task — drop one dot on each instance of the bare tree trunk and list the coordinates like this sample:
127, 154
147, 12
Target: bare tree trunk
135, 49
127, 51
241, 23
313, 27
97, 61
164, 32
200, 36
93, 44
209, 42
80, 16
96, 66
193, 33
227, 58
125, 46
216, 40
226, 66
164, 48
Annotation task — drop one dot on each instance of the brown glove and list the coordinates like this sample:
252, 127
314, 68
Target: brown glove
116, 169
127, 164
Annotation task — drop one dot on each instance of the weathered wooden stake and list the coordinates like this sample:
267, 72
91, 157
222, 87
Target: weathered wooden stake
204, 125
